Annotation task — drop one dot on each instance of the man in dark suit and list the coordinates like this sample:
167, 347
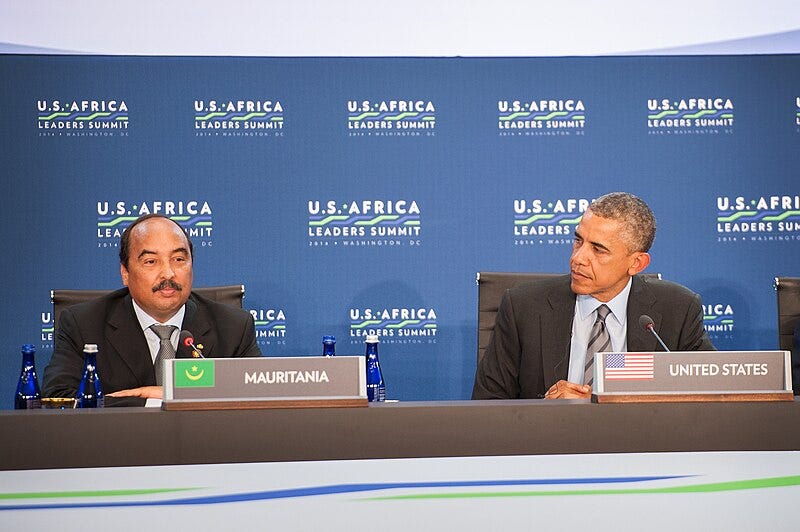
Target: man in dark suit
156, 267
543, 330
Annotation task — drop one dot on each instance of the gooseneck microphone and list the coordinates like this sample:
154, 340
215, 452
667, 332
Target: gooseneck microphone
647, 322
187, 340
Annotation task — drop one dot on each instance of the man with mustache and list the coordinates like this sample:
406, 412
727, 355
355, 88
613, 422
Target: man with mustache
156, 267
544, 329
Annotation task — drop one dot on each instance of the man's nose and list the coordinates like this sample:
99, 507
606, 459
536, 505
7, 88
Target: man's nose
167, 272
579, 256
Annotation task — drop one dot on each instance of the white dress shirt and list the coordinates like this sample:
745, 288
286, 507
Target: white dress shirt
153, 341
582, 322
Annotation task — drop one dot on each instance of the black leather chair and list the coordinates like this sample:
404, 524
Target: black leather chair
62, 298
788, 292
492, 285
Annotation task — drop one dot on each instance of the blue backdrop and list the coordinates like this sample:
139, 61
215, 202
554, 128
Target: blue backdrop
353, 195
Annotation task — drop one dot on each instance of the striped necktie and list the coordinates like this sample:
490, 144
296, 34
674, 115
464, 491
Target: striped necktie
599, 341
165, 349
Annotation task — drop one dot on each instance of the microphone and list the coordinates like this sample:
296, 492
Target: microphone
647, 322
187, 341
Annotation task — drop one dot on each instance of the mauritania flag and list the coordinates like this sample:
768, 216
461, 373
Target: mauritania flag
630, 366
194, 373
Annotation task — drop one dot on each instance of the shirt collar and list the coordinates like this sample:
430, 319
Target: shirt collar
146, 320
618, 305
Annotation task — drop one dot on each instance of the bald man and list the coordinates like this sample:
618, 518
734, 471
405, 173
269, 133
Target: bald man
156, 258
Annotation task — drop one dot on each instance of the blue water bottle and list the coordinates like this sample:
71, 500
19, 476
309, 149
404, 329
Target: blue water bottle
28, 393
90, 391
376, 389
329, 346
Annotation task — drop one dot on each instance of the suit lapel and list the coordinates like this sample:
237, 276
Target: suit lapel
556, 332
126, 338
641, 301
197, 321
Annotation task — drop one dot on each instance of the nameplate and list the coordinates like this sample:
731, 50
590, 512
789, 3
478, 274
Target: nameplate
289, 382
693, 376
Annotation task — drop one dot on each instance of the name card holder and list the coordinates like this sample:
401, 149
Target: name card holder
692, 376
249, 383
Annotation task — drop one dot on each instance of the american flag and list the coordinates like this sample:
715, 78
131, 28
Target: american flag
631, 366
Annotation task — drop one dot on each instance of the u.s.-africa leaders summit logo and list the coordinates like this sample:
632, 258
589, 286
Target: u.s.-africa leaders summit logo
797, 113
762, 218
397, 325
553, 117
270, 324
71, 117
113, 217
238, 118
48, 329
553, 221
391, 118
718, 320
367, 222
686, 116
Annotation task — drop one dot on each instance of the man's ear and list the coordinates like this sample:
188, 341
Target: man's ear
123, 272
641, 260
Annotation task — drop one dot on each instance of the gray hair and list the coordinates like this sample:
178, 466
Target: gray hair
638, 221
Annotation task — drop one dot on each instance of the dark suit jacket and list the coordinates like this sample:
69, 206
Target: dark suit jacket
530, 344
124, 360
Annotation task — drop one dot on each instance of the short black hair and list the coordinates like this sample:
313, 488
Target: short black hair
125, 241
639, 223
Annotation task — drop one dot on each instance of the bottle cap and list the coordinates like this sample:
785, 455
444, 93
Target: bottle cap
329, 339
90, 348
28, 348
372, 338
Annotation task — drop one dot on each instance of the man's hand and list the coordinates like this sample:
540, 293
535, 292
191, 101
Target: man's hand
147, 392
568, 390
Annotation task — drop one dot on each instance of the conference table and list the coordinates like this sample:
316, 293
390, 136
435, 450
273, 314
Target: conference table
433, 457
147, 436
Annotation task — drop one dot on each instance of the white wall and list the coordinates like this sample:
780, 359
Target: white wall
398, 28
